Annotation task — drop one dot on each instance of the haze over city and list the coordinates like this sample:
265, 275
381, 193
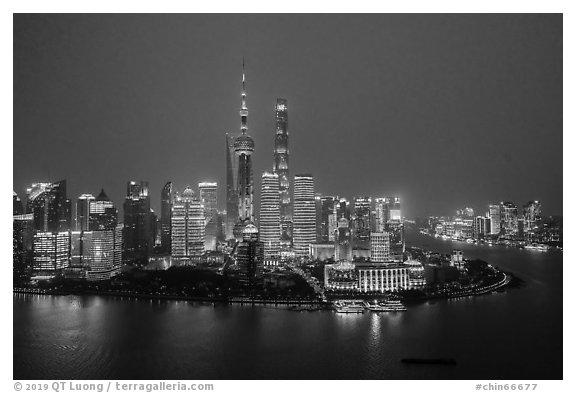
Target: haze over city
444, 111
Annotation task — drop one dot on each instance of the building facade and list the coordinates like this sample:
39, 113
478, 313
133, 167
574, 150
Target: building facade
304, 215
166, 201
281, 166
270, 221
138, 223
188, 228
379, 247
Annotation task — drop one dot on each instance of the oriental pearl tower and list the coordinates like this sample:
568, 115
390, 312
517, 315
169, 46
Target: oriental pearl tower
244, 147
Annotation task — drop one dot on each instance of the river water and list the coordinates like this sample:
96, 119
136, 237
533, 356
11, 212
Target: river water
515, 334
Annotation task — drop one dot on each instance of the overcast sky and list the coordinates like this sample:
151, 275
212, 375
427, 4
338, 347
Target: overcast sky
445, 111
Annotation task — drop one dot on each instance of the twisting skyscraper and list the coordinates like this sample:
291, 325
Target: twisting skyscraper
280, 167
270, 217
304, 214
244, 147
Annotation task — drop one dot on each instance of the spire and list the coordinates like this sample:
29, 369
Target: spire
244, 108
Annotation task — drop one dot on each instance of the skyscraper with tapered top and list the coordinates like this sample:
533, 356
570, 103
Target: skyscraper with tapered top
243, 148
281, 167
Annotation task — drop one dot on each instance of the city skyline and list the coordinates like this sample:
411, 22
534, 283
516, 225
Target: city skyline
172, 159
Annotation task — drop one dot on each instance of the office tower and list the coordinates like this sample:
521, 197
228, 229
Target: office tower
343, 241
281, 167
166, 198
244, 147
270, 223
49, 206
481, 227
304, 215
51, 253
326, 218
102, 214
22, 242
188, 227
17, 207
509, 219
495, 225
138, 236
95, 255
250, 256
361, 218
207, 192
395, 229
231, 187
393, 207
532, 216
380, 214
82, 211
379, 247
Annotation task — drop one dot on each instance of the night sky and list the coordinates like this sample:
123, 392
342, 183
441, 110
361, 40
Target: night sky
445, 111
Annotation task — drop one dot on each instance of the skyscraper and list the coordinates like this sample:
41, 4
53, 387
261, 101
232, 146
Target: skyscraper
532, 216
343, 241
138, 236
167, 198
361, 221
495, 225
51, 253
244, 147
17, 207
51, 209
509, 219
250, 256
208, 194
270, 223
82, 211
103, 216
281, 167
326, 219
188, 227
379, 247
304, 215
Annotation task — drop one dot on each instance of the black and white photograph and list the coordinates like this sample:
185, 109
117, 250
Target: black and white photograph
287, 196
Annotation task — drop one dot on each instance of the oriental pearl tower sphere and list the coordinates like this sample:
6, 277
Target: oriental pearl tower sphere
244, 147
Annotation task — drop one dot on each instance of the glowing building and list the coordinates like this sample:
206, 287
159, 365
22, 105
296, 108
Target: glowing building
509, 220
343, 242
281, 167
304, 215
208, 194
379, 247
270, 223
361, 218
495, 224
188, 228
51, 253
166, 200
51, 209
102, 214
250, 256
82, 211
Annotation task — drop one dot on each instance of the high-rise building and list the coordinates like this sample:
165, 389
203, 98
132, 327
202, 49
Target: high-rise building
51, 253
343, 241
51, 209
326, 218
304, 215
17, 207
188, 227
231, 187
380, 214
270, 223
167, 198
281, 167
102, 213
379, 247
361, 218
82, 211
95, 255
495, 225
250, 255
509, 219
244, 147
532, 216
138, 235
208, 194
481, 227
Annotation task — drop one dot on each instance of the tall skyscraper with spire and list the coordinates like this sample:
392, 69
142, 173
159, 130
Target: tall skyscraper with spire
280, 167
244, 147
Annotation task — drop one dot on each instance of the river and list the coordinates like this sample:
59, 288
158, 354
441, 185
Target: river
516, 334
